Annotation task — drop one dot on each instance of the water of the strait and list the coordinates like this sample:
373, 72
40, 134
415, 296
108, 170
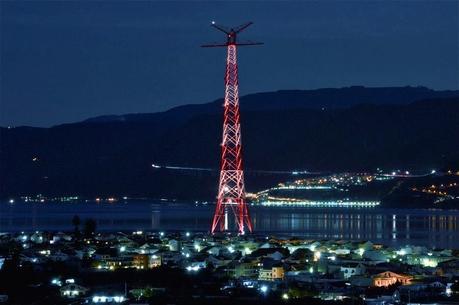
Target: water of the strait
395, 227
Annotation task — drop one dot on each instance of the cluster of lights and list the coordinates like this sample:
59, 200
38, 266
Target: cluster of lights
338, 203
106, 299
71, 292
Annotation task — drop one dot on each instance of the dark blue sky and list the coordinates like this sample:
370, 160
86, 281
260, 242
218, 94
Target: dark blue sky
67, 61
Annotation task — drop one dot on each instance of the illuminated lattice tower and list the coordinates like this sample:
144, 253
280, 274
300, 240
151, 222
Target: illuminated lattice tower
231, 190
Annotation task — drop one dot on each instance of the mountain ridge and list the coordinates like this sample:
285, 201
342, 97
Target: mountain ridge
314, 98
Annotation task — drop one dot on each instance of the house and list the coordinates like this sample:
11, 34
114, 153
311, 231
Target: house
73, 291
271, 270
140, 261
388, 278
352, 269
58, 256
218, 261
274, 253
246, 269
384, 299
174, 245
154, 261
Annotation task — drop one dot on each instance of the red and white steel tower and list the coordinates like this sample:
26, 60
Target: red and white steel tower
231, 190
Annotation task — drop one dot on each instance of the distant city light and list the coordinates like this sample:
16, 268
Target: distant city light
264, 288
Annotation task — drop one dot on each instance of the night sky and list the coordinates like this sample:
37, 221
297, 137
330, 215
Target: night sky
67, 61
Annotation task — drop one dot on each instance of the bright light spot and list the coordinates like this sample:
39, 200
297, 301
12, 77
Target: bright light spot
247, 250
426, 262
122, 248
311, 270
213, 22
401, 252
285, 296
118, 299
317, 255
187, 234
230, 249
264, 288
11, 201
433, 171
161, 234
192, 268
361, 251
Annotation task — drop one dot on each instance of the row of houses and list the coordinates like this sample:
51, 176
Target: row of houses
335, 268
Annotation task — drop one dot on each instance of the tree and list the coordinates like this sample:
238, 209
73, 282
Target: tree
90, 226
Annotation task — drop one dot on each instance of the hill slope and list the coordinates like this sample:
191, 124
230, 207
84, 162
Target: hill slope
113, 155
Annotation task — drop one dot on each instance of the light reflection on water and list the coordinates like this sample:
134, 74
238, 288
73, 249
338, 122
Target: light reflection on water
390, 226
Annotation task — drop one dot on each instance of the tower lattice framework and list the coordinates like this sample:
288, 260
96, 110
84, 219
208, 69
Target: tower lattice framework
231, 189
